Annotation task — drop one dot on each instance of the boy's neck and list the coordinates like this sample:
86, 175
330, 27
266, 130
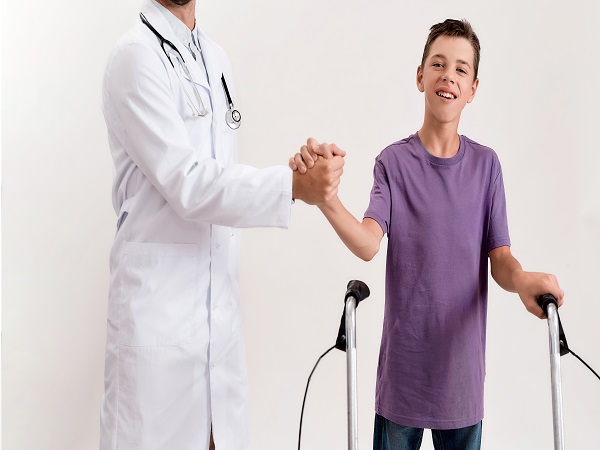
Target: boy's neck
441, 141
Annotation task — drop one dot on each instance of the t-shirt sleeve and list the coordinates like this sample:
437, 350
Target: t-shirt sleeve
380, 202
498, 235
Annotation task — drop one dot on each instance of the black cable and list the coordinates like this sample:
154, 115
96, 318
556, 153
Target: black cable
582, 361
306, 391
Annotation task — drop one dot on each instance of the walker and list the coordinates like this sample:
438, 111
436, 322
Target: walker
346, 341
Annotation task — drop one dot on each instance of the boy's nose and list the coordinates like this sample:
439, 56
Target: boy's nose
448, 77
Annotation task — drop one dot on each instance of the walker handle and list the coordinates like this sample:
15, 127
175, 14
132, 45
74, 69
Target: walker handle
545, 300
359, 291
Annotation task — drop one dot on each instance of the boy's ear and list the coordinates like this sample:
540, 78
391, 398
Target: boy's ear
473, 90
420, 79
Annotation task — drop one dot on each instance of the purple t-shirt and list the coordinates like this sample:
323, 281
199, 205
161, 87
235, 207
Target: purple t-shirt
442, 217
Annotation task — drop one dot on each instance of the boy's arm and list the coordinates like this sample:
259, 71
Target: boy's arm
510, 276
362, 238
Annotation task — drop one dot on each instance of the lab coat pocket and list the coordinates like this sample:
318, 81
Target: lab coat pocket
158, 285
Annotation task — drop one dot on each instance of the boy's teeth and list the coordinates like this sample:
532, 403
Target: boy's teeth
445, 95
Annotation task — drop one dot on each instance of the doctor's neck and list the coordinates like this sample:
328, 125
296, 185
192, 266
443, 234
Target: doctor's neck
184, 10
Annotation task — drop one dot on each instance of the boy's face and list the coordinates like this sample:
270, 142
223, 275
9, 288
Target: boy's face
447, 79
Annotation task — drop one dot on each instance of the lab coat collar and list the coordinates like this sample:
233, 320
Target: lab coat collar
180, 29
158, 21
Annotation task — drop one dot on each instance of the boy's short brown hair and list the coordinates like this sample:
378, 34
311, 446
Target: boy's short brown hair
454, 28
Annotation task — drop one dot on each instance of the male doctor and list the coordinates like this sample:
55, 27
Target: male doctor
175, 370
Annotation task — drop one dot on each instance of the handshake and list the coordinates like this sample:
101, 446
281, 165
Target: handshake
317, 171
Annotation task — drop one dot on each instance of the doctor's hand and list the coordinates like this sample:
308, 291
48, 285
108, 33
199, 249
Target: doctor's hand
319, 184
310, 152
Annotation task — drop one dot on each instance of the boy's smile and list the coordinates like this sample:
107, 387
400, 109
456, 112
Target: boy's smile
447, 80
446, 94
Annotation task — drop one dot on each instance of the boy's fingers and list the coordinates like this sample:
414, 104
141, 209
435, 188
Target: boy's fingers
561, 298
336, 162
337, 151
325, 150
316, 148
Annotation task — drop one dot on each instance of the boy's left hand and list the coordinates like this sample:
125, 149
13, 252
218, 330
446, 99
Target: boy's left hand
507, 272
531, 285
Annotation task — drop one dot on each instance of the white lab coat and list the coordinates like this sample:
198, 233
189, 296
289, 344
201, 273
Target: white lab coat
175, 357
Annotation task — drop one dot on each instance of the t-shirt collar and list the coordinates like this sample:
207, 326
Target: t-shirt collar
443, 161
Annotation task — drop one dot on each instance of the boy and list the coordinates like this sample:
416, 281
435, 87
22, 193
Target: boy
440, 199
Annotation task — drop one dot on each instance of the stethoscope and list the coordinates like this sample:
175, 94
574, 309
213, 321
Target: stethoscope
232, 116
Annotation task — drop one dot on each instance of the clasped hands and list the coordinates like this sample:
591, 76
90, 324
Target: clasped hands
317, 171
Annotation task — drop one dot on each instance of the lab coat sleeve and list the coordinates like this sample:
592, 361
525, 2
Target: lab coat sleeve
138, 101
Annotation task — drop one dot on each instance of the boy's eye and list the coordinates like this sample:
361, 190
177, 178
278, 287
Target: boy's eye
463, 71
437, 64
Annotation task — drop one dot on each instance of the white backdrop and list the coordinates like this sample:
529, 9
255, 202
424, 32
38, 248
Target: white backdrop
342, 71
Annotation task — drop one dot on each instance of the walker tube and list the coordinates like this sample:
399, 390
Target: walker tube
350, 314
549, 305
557, 410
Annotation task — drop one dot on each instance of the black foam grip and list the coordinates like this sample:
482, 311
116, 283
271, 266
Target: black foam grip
545, 300
359, 291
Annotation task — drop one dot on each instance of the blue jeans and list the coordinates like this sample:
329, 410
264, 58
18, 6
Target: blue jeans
391, 436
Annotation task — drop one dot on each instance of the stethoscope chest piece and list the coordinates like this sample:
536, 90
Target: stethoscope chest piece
233, 118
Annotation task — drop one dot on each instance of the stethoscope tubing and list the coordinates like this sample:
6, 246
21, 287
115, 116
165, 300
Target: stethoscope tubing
232, 116
162, 40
